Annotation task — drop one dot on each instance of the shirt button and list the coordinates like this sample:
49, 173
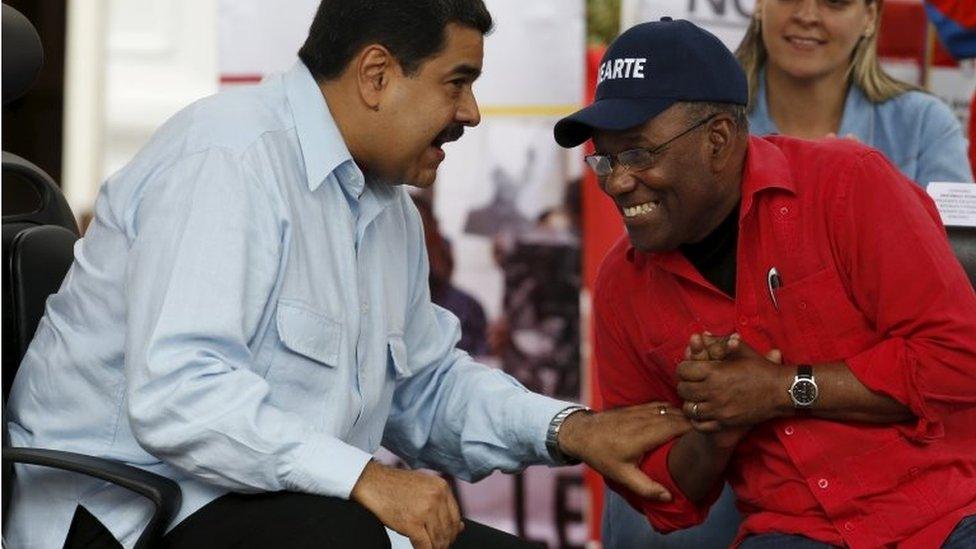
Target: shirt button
365, 307
784, 210
823, 484
849, 526
743, 320
788, 430
802, 305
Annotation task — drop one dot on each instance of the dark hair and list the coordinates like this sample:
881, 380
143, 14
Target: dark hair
413, 31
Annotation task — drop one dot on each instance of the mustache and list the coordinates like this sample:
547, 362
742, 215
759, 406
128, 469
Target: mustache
450, 133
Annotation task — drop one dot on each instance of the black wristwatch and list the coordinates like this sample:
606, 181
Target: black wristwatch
804, 389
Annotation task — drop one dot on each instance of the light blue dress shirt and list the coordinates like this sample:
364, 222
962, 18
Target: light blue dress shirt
915, 130
247, 313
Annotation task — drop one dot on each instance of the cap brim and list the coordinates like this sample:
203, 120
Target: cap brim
608, 114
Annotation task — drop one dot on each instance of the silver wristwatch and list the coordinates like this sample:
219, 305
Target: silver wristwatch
552, 435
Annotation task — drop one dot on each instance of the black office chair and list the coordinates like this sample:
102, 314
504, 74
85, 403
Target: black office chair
39, 233
963, 241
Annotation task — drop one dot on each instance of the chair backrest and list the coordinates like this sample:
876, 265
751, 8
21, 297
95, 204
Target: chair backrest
39, 230
963, 241
23, 55
37, 251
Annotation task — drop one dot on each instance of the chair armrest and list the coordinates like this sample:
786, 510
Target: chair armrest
164, 493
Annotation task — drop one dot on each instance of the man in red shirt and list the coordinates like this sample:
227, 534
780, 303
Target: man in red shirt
847, 413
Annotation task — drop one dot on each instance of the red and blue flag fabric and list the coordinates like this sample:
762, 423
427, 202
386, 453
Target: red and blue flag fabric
955, 22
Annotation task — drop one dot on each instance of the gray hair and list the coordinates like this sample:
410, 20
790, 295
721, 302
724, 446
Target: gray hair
696, 110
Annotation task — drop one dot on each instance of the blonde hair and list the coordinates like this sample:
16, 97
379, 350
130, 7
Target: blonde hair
864, 71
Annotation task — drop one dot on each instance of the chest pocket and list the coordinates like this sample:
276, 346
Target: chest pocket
308, 333
818, 320
306, 366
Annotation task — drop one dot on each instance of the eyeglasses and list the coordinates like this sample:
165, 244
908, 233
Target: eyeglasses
636, 159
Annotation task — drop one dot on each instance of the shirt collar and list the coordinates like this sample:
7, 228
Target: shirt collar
766, 167
323, 148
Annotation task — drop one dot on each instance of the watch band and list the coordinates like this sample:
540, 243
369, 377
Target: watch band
552, 435
804, 371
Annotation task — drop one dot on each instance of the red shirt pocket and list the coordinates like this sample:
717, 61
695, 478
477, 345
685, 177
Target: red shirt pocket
818, 321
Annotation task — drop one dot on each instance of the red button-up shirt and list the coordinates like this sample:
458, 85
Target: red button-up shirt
868, 277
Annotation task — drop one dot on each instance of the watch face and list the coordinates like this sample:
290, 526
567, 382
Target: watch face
804, 392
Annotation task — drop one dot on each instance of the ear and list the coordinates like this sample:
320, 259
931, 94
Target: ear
872, 19
721, 141
374, 67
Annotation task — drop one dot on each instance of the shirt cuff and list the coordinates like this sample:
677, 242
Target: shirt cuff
326, 466
530, 423
680, 512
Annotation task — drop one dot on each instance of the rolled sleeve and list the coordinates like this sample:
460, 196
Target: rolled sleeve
680, 512
904, 277
890, 368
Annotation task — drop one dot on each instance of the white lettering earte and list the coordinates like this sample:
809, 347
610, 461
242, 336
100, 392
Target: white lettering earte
626, 67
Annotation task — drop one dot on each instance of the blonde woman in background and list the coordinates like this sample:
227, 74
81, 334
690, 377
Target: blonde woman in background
813, 71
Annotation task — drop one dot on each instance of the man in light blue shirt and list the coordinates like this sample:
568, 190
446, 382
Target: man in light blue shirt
249, 313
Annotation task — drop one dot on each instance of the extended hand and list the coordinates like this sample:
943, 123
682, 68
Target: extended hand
615, 441
415, 504
740, 389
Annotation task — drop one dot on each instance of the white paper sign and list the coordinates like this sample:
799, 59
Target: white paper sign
726, 19
956, 202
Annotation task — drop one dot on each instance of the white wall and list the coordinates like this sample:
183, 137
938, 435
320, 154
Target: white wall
131, 65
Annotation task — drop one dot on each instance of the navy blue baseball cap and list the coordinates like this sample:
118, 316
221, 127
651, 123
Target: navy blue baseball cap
650, 67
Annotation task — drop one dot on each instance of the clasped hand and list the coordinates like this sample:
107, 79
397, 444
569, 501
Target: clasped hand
725, 383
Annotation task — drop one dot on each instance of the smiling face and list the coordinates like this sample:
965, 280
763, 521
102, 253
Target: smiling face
814, 38
680, 197
423, 111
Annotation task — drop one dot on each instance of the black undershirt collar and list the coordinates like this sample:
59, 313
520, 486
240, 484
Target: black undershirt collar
714, 256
